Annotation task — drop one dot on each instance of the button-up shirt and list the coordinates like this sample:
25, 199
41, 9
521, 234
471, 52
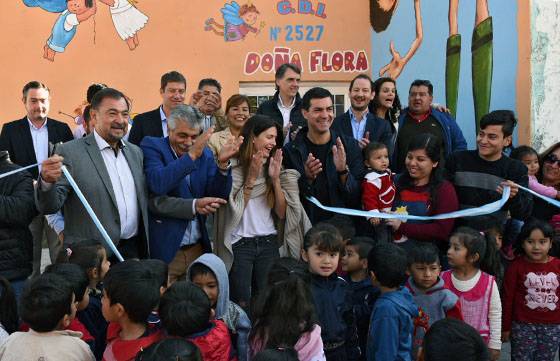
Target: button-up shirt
123, 186
358, 125
40, 137
286, 111
163, 121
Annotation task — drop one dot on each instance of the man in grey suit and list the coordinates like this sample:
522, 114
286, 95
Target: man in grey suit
109, 171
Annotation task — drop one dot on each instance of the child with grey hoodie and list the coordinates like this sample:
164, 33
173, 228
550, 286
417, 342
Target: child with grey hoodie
209, 273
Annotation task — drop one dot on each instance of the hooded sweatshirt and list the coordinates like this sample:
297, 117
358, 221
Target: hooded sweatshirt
436, 303
232, 314
391, 328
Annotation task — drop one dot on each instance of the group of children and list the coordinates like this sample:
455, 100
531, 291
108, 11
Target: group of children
388, 306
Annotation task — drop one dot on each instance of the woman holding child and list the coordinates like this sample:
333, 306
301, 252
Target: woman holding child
422, 191
549, 175
263, 211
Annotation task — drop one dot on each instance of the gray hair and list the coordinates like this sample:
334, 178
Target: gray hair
187, 114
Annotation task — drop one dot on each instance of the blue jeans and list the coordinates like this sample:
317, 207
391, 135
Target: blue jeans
252, 258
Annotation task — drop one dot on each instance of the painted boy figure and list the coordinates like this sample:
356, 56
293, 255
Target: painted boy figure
64, 29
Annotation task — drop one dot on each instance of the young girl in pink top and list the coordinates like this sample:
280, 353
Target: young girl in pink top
530, 158
285, 316
472, 257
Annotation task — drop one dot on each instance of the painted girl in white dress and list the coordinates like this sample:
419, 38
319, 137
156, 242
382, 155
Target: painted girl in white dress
128, 20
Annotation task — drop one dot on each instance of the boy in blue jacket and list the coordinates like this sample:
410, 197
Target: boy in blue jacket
322, 246
391, 326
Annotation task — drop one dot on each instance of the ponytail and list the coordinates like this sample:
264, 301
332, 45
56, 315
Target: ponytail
482, 244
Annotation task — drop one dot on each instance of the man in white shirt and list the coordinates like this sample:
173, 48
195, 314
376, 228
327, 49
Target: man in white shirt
27, 142
109, 171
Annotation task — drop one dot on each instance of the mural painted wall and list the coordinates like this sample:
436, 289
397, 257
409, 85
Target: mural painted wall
545, 62
128, 44
462, 47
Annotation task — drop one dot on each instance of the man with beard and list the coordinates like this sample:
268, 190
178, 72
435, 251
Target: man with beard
358, 122
419, 118
109, 171
154, 123
27, 142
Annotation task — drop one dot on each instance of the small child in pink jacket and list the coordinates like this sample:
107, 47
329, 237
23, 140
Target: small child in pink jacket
530, 158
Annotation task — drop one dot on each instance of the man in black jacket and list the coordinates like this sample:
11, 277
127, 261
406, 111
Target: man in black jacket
285, 106
17, 209
154, 123
27, 141
330, 164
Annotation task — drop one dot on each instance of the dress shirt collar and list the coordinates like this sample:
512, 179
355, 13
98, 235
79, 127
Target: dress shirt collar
32, 126
102, 143
162, 114
281, 103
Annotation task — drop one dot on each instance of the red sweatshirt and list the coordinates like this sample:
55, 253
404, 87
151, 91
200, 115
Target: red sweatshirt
531, 292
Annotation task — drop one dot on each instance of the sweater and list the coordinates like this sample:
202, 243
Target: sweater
378, 191
476, 181
531, 292
417, 202
126, 350
547, 191
54, 345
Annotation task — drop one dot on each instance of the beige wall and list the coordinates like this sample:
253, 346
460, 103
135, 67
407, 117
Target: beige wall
174, 38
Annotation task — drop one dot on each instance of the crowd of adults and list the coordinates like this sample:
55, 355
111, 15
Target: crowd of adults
189, 179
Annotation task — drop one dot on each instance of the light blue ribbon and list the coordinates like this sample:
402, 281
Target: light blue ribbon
84, 201
18, 170
552, 201
470, 212
92, 214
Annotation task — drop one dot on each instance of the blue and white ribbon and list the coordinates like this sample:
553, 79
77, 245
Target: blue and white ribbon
552, 201
84, 201
470, 212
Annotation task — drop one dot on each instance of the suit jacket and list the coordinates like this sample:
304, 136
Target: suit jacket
85, 163
144, 125
16, 139
379, 129
166, 175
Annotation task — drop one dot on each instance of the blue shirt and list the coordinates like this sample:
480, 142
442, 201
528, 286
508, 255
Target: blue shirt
358, 126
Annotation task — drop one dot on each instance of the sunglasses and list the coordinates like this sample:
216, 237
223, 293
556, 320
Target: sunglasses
551, 159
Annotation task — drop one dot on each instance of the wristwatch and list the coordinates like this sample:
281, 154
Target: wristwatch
343, 172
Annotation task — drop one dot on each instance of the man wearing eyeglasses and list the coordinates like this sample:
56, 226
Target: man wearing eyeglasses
420, 118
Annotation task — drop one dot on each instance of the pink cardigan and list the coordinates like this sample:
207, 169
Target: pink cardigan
534, 185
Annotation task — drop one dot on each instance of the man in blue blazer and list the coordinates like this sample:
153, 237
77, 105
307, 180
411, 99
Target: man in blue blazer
357, 122
181, 166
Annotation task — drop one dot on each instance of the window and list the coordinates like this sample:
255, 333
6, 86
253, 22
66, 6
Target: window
339, 106
256, 100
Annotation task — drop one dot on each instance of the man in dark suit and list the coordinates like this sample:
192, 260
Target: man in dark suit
182, 166
285, 106
357, 122
27, 142
154, 123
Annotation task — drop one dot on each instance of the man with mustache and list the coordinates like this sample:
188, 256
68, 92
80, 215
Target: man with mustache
419, 118
154, 123
109, 171
27, 142
358, 122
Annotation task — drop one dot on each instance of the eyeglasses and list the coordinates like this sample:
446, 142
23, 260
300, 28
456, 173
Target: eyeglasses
551, 159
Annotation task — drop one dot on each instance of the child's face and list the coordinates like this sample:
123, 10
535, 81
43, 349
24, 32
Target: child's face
321, 263
457, 253
351, 262
498, 237
249, 18
425, 275
378, 160
108, 310
208, 282
532, 163
537, 246
76, 6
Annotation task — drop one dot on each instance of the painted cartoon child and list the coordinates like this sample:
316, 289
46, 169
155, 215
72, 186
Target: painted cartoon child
127, 19
64, 29
238, 21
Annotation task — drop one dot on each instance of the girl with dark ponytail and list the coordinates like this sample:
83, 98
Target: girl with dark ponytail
473, 261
